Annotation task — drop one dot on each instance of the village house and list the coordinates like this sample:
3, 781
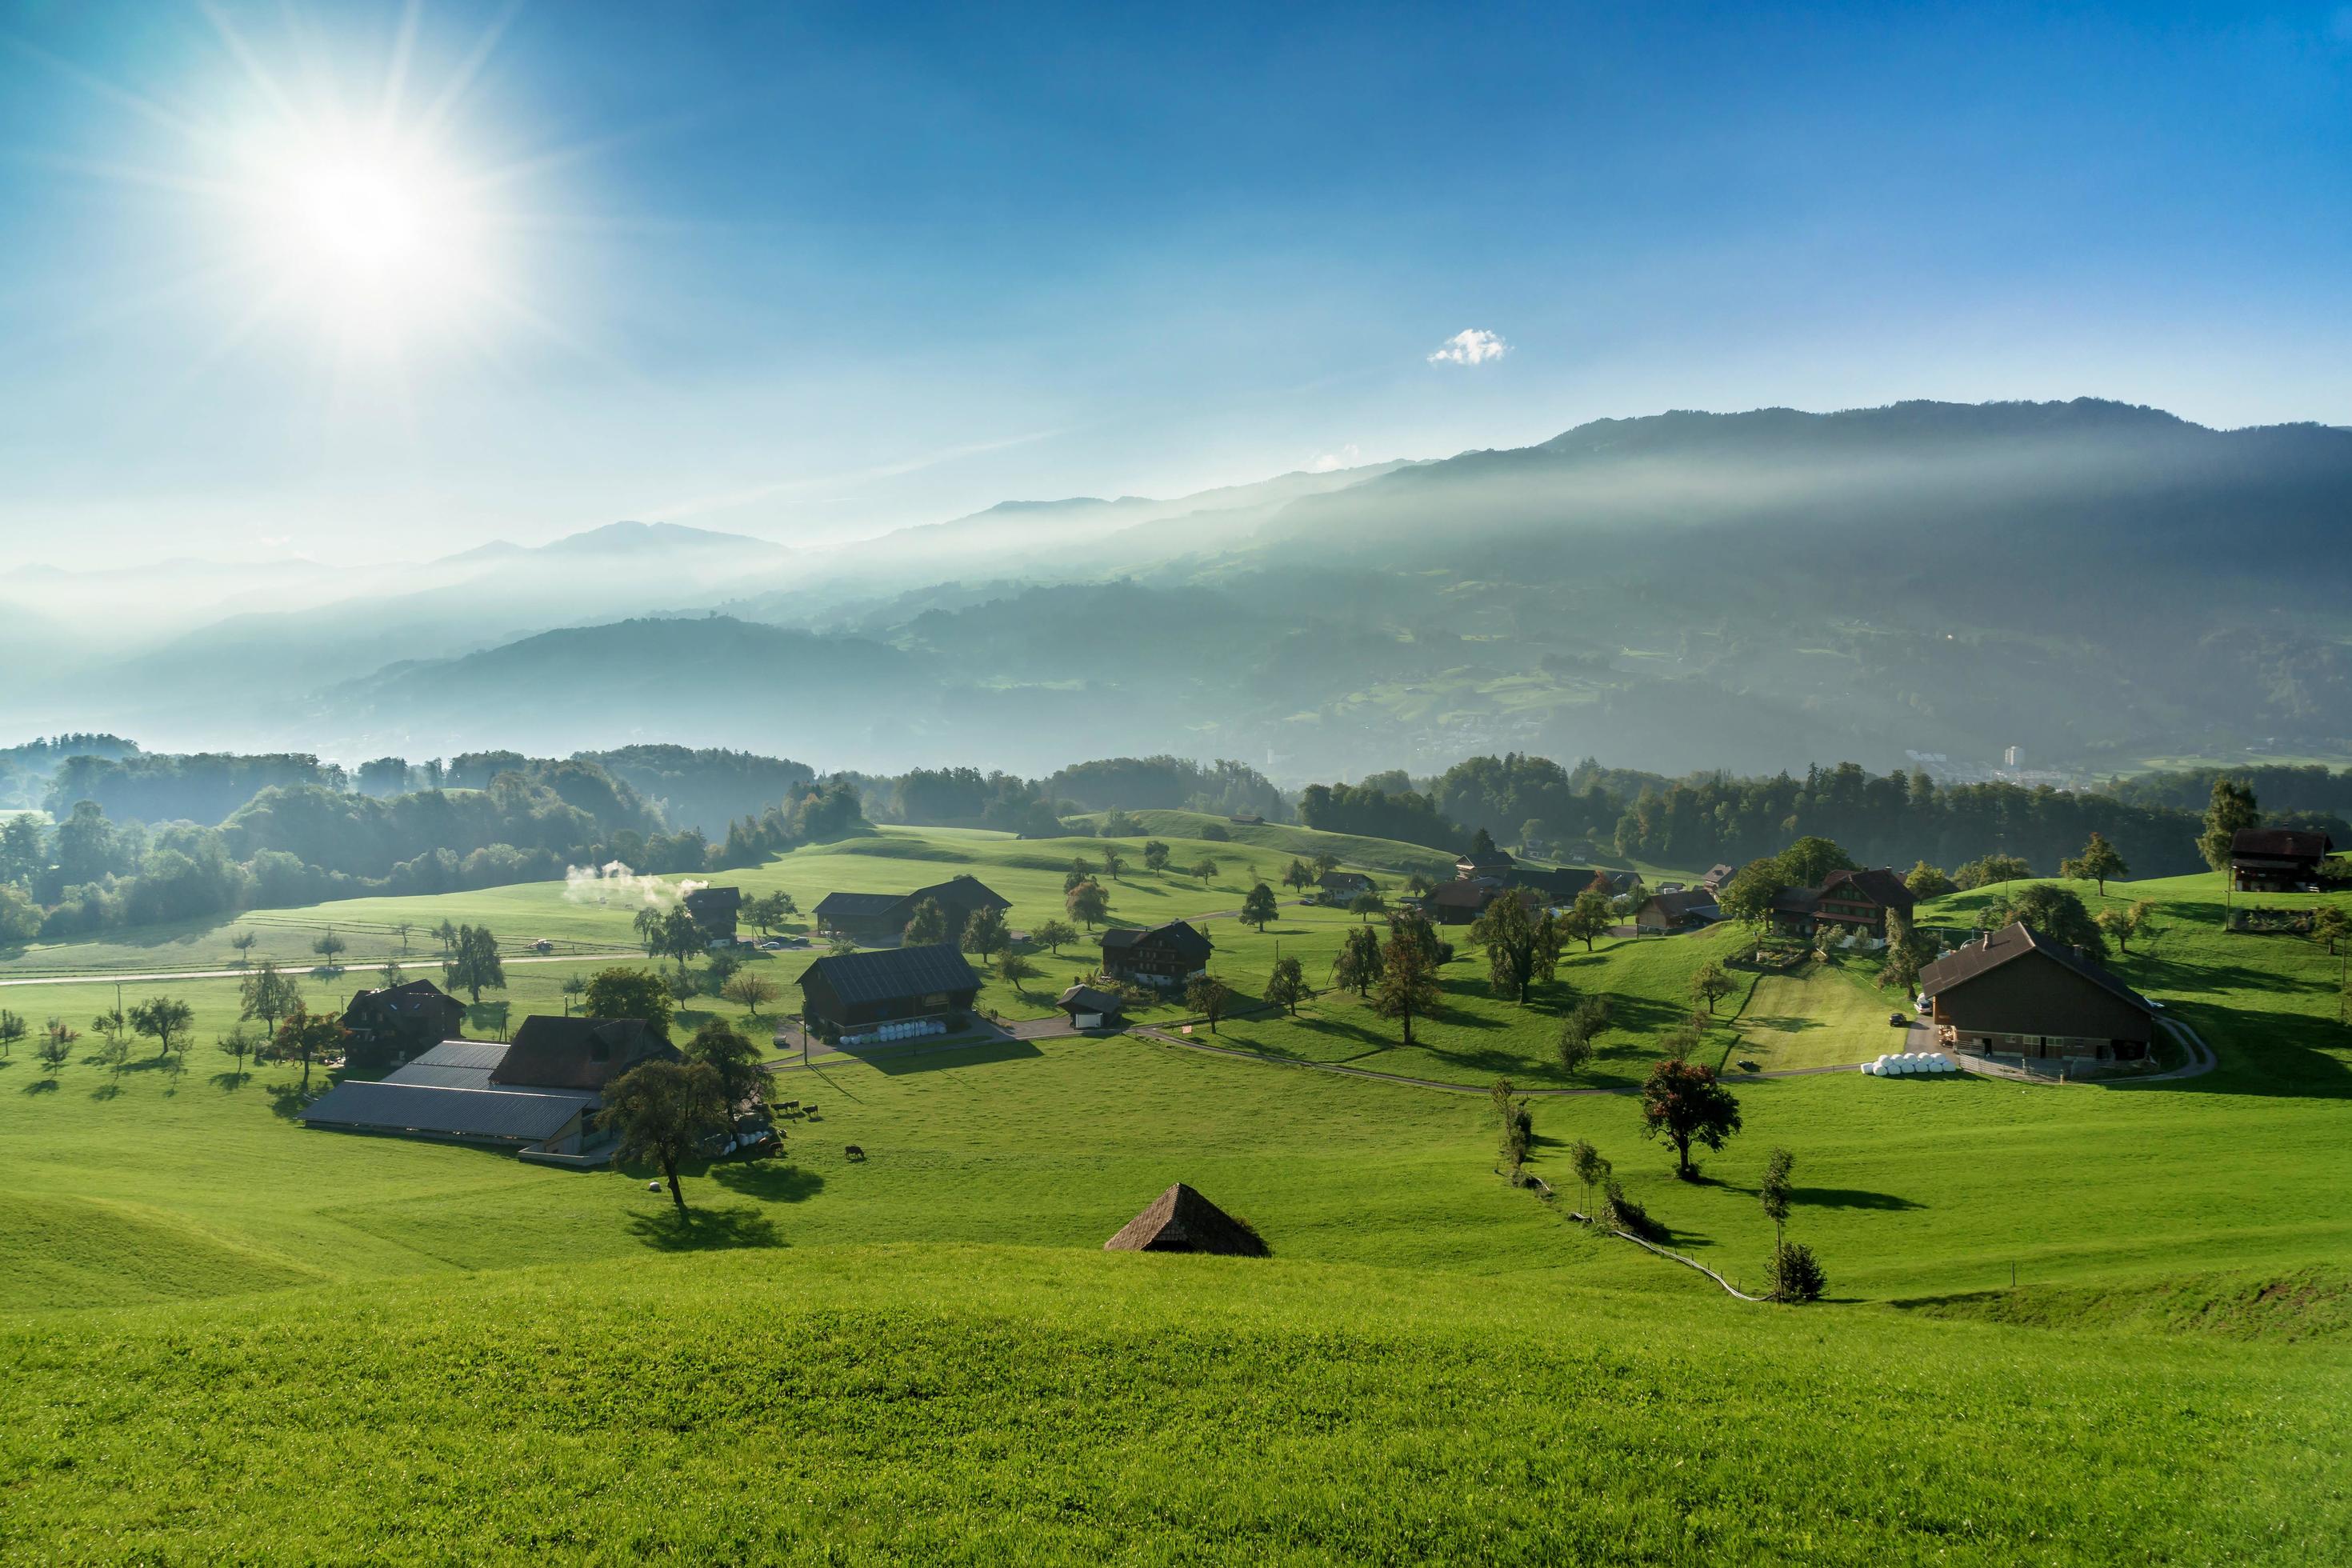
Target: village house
1340, 889
851, 990
1462, 901
1091, 1009
2277, 860
879, 917
1491, 861
1557, 884
714, 911
1688, 909
1716, 876
1847, 902
400, 1021
2016, 992
1164, 958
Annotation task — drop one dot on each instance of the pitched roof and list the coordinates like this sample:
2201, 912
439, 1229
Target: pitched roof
1344, 882
1718, 874
968, 890
1086, 999
1879, 884
2283, 843
1796, 900
1181, 1220
1466, 892
2011, 942
409, 996
894, 972
1179, 934
714, 899
572, 1052
525, 1116
1691, 901
856, 906
453, 1064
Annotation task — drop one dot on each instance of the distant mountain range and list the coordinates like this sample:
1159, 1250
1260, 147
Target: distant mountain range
2092, 581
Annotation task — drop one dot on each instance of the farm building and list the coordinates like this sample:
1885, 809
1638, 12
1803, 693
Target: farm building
1462, 901
847, 990
1164, 957
2017, 992
1686, 911
576, 1053
399, 1021
875, 918
2277, 860
1489, 861
1181, 1220
1091, 1009
1716, 876
538, 1096
1340, 889
1557, 884
1848, 901
714, 911
1613, 884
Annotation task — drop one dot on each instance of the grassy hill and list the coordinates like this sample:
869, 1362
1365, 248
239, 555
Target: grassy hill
268, 1341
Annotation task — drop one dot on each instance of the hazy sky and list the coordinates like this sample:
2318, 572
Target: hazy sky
376, 280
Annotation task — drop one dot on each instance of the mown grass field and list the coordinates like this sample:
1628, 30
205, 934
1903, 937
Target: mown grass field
230, 1337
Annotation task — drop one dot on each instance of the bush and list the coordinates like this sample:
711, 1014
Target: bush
1619, 1212
1797, 1274
1215, 832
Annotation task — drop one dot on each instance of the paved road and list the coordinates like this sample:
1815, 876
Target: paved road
109, 978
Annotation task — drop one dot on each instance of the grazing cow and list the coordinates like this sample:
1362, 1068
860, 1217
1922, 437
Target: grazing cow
854, 1152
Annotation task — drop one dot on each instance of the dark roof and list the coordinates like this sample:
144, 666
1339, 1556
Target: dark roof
1879, 884
714, 899
1181, 1220
894, 972
1344, 882
453, 1064
2283, 843
1086, 999
1718, 874
572, 1052
2007, 944
858, 906
967, 891
1796, 900
1466, 892
1692, 902
522, 1115
1179, 934
1485, 861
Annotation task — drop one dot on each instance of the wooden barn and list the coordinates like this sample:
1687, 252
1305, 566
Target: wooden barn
2277, 860
875, 918
850, 990
2015, 992
714, 911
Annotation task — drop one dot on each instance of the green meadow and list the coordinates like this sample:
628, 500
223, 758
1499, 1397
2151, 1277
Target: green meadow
2064, 1324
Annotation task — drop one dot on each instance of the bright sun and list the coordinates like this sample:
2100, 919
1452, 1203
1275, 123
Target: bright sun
373, 241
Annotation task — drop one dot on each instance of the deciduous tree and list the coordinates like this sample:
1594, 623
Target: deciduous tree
1775, 1191
750, 991
236, 1044
661, 1109
1368, 904
927, 926
1591, 1168
2097, 863
268, 995
1407, 988
1927, 881
242, 943
1297, 876
1087, 904
1012, 967
1682, 1102
1155, 856
1053, 935
2230, 808
735, 1059
1522, 947
164, 1020
984, 930
305, 1036
1258, 906
1209, 996
1588, 919
1359, 965
1711, 983
631, 993
1287, 986
2047, 910
476, 965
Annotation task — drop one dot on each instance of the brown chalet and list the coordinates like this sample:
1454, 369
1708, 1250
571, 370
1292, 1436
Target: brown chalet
1163, 958
714, 911
2017, 992
849, 990
875, 918
402, 1020
1846, 901
2277, 860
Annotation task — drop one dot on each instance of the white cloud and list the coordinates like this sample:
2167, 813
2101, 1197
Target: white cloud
1345, 456
1473, 346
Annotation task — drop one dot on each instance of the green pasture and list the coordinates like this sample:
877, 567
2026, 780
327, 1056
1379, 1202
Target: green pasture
266, 1342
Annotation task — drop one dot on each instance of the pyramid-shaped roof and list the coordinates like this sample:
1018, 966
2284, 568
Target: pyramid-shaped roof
1181, 1220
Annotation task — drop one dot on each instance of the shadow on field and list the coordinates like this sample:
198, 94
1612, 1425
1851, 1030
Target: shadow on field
1851, 1198
229, 1082
41, 1086
902, 1060
770, 1180
2287, 1054
106, 1090
286, 1101
1785, 1023
705, 1230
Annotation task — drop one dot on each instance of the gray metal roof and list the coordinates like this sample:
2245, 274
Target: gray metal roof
495, 1113
894, 972
483, 1054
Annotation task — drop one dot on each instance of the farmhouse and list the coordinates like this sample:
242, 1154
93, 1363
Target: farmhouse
2277, 860
1462, 901
538, 1096
1557, 884
1491, 861
2017, 992
714, 910
1091, 1009
1684, 910
852, 989
1848, 901
875, 918
402, 1020
1164, 957
1340, 889
1181, 1220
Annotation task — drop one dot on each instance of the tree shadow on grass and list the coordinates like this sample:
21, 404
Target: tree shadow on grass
1851, 1198
229, 1082
287, 1100
770, 1180
107, 1090
1785, 1023
705, 1229
41, 1086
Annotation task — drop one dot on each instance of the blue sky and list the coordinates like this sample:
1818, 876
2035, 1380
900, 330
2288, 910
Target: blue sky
806, 272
